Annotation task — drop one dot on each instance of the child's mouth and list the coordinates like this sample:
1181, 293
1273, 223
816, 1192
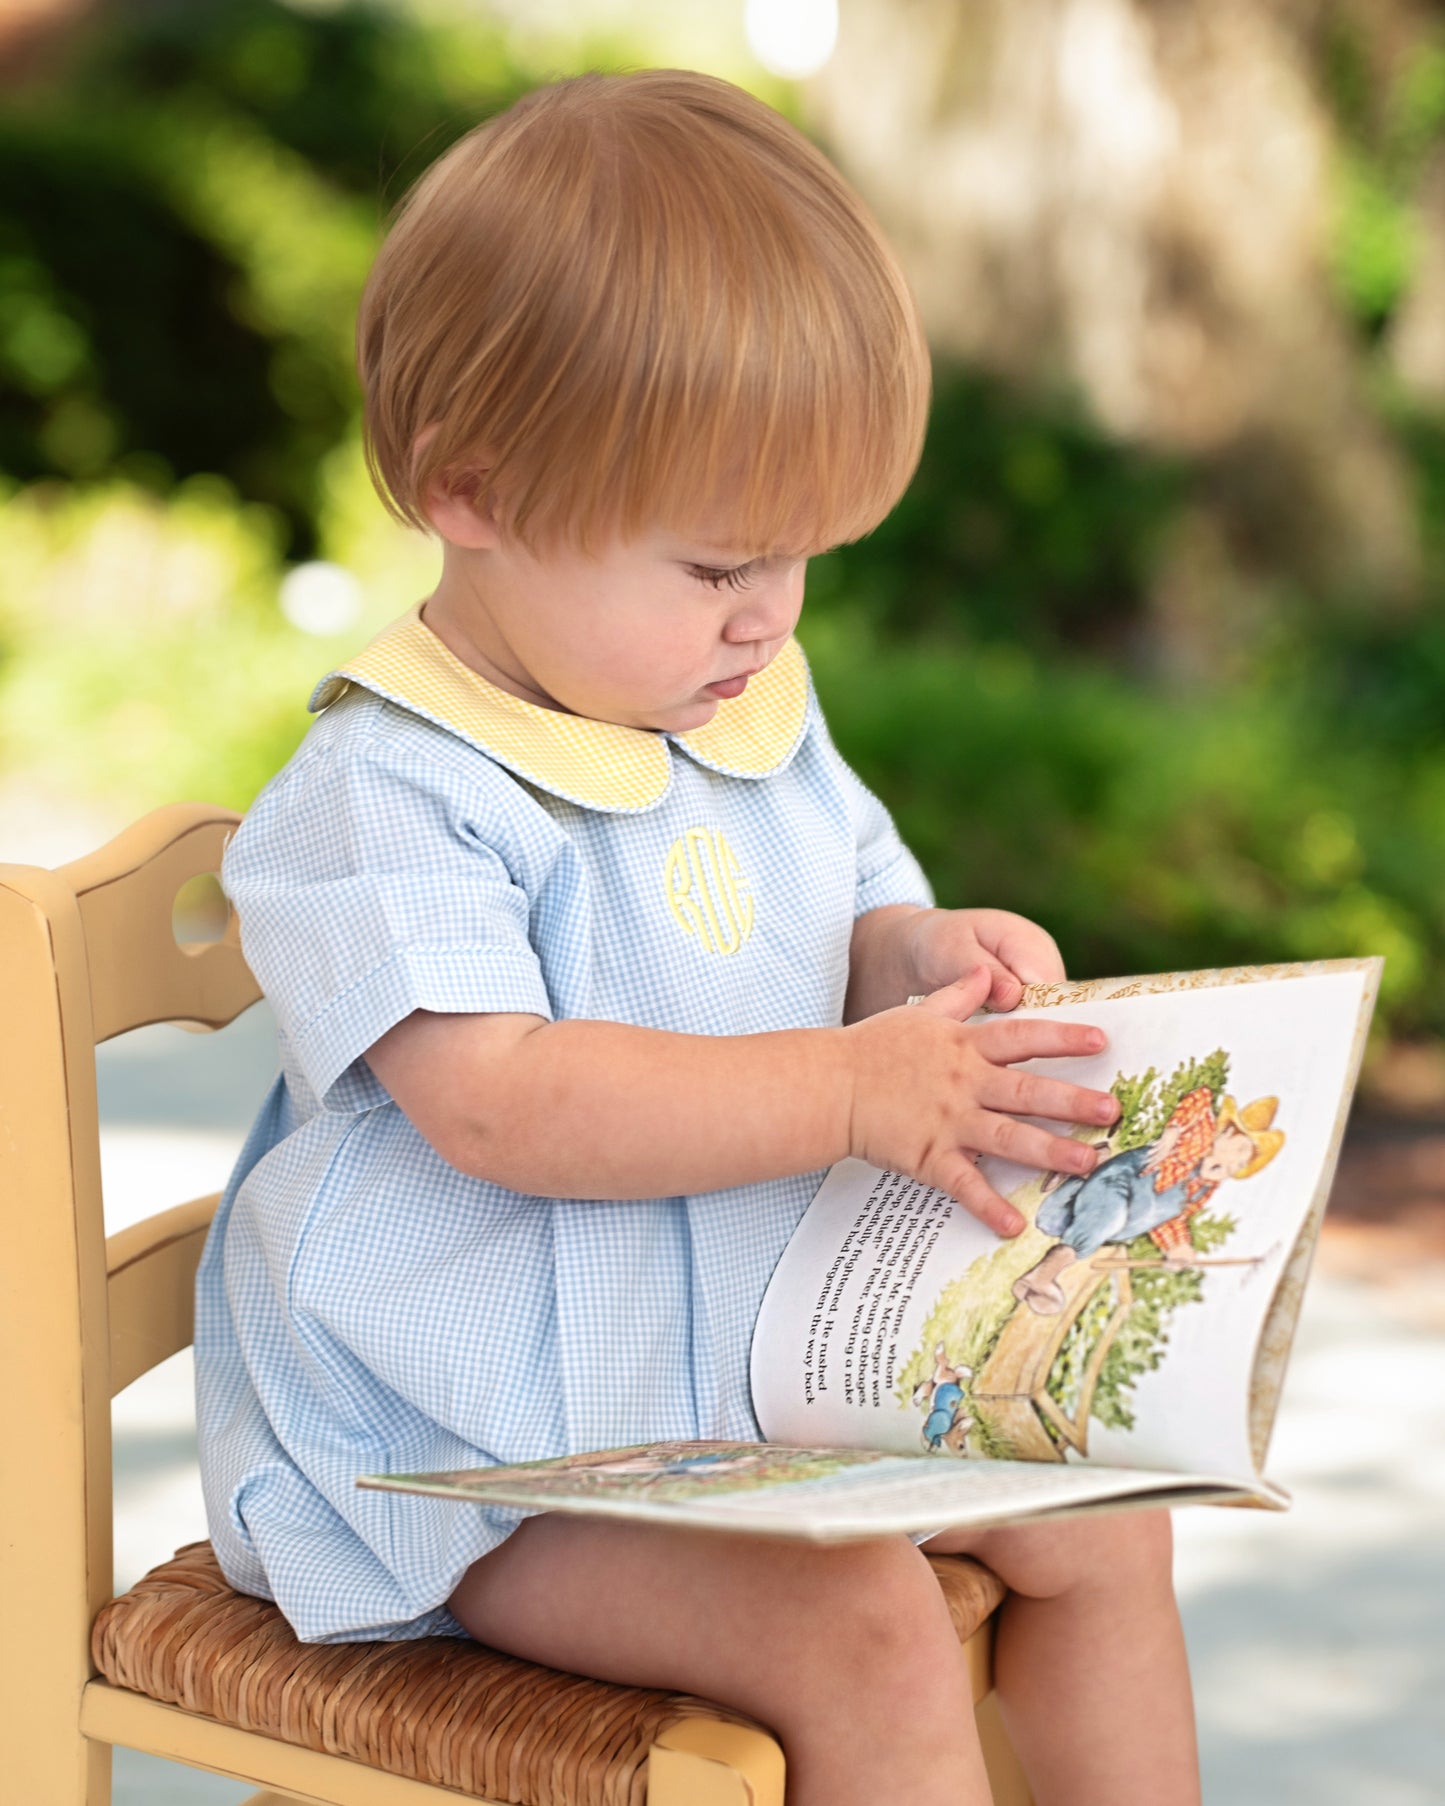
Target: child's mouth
729, 687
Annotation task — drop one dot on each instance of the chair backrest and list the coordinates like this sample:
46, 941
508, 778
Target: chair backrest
87, 952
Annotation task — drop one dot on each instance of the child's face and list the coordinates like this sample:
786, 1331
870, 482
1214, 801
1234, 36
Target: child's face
652, 632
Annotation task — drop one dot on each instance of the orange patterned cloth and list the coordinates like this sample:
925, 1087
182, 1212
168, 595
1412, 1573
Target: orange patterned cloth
1175, 1233
1197, 1124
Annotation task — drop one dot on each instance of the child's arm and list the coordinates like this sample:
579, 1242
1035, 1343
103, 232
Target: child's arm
606, 1110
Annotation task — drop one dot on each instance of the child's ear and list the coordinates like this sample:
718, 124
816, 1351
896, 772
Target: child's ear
460, 506
457, 499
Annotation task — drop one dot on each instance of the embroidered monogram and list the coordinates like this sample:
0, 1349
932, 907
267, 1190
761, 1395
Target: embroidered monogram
707, 892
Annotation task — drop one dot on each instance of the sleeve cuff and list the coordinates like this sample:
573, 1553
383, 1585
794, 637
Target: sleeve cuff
449, 980
900, 880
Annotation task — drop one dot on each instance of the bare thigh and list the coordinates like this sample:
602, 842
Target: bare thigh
848, 1653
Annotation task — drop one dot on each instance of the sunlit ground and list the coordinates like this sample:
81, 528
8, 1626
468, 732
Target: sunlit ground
1315, 1637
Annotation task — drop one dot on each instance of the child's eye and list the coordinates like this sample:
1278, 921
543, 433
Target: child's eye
739, 577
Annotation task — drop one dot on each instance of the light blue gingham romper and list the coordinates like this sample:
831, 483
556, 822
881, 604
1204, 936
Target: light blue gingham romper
364, 1307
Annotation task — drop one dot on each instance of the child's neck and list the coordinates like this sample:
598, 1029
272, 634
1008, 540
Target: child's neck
456, 612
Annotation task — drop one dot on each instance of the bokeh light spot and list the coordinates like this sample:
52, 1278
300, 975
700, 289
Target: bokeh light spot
320, 598
792, 38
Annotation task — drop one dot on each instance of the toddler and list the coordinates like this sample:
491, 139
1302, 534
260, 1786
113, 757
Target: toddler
587, 950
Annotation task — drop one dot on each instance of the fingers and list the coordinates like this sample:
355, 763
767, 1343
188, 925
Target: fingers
1029, 953
1031, 1094
965, 997
986, 1097
1042, 964
1007, 989
1036, 1038
956, 1174
1026, 1145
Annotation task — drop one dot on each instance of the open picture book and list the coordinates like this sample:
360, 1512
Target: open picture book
912, 1371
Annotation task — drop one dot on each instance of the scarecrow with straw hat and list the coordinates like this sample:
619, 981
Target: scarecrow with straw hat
1152, 1190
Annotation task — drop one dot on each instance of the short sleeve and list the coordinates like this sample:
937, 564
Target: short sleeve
887, 871
370, 882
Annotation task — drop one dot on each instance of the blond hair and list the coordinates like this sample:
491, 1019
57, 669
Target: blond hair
637, 298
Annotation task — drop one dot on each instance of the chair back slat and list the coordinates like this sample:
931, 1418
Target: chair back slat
151, 1287
86, 952
126, 891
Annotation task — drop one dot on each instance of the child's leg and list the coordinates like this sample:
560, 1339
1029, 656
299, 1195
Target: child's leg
847, 1653
1089, 1659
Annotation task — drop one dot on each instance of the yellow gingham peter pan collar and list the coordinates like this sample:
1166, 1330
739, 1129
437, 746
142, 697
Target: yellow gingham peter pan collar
595, 763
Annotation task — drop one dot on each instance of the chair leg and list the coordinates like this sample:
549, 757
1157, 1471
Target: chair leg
90, 1776
1005, 1777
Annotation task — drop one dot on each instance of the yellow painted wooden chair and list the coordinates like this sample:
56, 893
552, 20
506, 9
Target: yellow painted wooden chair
183, 1666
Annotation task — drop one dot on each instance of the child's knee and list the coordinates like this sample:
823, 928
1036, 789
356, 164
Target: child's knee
876, 1622
1116, 1552
1124, 1547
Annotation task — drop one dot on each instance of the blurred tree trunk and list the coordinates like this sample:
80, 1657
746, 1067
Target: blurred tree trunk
1134, 199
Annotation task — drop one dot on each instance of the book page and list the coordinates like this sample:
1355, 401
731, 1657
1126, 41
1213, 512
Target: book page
1125, 1326
821, 1494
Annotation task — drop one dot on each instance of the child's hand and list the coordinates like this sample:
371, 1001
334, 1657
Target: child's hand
951, 943
933, 1091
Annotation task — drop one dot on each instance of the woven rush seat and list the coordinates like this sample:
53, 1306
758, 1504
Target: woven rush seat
436, 1709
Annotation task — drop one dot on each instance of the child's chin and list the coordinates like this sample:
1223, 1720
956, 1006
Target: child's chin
689, 715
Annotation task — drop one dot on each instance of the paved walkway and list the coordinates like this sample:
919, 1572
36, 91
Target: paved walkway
1316, 1637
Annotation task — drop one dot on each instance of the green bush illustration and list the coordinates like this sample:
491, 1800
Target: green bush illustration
1146, 1102
1141, 1339
971, 1313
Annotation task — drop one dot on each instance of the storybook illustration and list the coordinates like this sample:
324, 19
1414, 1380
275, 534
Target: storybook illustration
1016, 1368
911, 1370
672, 1472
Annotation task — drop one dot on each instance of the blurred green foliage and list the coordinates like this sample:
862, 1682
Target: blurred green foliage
1150, 831
1388, 126
1023, 523
190, 213
191, 203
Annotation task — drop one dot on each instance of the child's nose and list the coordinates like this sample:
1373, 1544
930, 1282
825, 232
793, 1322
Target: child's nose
770, 611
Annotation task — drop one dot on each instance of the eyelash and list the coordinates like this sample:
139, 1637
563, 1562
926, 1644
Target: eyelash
739, 577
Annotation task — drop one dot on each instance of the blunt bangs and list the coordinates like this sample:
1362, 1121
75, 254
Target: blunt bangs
643, 300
